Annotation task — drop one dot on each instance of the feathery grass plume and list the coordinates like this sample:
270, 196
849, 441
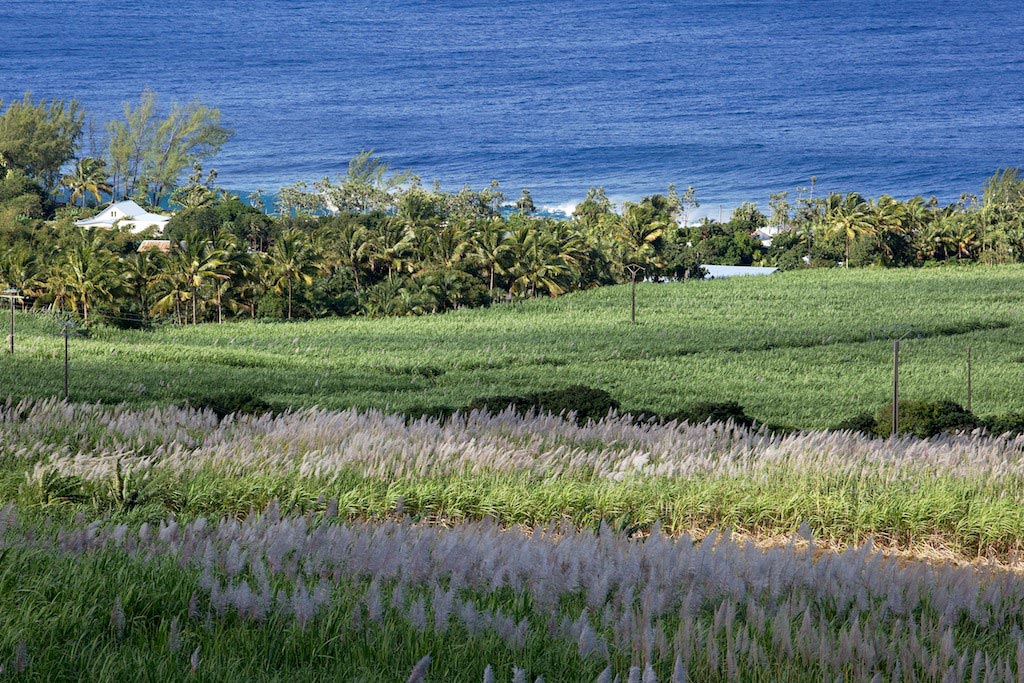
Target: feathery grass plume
589, 643
678, 670
1020, 659
194, 660
174, 636
634, 674
372, 601
605, 676
419, 672
649, 675
488, 674
117, 618
518, 675
20, 657
193, 606
418, 615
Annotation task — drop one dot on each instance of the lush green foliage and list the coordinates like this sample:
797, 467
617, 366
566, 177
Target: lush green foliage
926, 418
804, 349
38, 138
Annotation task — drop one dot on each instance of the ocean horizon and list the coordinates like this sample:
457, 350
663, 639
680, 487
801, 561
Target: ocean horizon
738, 99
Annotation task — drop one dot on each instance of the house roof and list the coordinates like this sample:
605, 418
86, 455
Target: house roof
154, 245
735, 271
127, 212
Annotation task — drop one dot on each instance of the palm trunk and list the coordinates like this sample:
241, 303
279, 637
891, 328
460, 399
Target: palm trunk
193, 305
491, 290
289, 300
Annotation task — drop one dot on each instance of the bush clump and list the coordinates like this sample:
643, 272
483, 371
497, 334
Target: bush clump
926, 418
439, 413
224, 403
587, 402
711, 411
1011, 424
862, 422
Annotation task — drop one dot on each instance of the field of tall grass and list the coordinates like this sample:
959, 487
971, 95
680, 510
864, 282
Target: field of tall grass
172, 544
804, 349
342, 537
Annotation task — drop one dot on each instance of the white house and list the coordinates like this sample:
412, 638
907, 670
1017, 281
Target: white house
128, 214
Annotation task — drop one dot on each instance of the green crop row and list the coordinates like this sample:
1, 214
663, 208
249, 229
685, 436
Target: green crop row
804, 349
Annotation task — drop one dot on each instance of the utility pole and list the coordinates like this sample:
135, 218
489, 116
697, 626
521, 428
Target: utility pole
633, 269
12, 294
895, 386
65, 332
969, 378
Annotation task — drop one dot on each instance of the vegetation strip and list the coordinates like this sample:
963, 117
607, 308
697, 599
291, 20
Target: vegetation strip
963, 493
789, 349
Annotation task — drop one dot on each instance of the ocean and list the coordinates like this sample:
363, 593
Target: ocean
738, 99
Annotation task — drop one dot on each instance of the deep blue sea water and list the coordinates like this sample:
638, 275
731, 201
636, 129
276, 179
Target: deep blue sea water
738, 99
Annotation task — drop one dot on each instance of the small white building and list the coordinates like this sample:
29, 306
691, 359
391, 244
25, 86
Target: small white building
128, 214
715, 272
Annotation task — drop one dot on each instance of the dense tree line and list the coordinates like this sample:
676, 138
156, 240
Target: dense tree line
377, 242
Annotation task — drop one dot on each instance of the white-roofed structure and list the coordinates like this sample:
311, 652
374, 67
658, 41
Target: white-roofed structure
128, 214
735, 271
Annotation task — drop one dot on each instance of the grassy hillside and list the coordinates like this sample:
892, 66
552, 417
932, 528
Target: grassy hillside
802, 348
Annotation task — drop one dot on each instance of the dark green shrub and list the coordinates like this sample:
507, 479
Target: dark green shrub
439, 413
926, 418
862, 422
711, 411
587, 402
226, 402
1011, 423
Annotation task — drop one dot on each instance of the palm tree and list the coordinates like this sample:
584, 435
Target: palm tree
195, 263
237, 270
293, 261
536, 261
90, 275
641, 232
88, 177
848, 216
489, 244
140, 272
19, 268
348, 245
887, 216
962, 237
445, 245
392, 243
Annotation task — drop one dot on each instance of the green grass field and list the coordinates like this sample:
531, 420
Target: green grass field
804, 349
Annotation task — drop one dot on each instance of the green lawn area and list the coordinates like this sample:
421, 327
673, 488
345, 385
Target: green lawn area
802, 348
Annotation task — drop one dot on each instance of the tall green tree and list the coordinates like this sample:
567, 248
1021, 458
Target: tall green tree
195, 264
292, 261
87, 271
848, 216
129, 141
38, 138
148, 153
489, 244
89, 177
525, 205
368, 185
